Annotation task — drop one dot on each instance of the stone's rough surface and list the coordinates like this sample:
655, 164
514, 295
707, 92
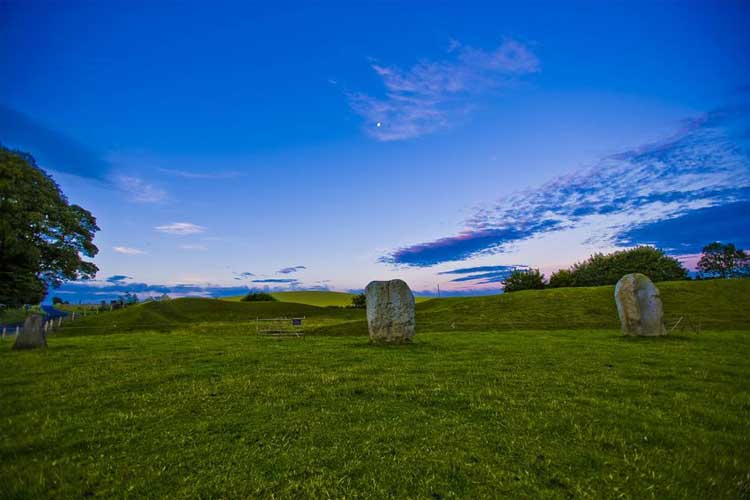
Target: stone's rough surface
32, 336
390, 312
639, 306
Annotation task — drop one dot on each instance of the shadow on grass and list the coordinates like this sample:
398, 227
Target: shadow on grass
348, 329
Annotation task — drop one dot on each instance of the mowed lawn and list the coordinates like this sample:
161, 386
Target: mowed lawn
219, 413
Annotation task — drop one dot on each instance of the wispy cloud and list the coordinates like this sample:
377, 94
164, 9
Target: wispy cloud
483, 275
128, 250
243, 276
138, 190
290, 270
94, 291
430, 95
194, 248
117, 278
180, 228
186, 174
276, 280
706, 165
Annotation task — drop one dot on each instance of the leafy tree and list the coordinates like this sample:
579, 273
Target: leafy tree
562, 278
601, 269
524, 279
258, 297
724, 260
43, 238
359, 301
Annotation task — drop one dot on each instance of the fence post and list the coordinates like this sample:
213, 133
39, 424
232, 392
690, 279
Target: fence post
3, 333
73, 318
18, 329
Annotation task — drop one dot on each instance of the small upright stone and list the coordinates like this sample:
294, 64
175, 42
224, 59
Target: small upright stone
639, 306
390, 312
32, 336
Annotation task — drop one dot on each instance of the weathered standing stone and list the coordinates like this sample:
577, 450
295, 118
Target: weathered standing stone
639, 306
32, 336
390, 312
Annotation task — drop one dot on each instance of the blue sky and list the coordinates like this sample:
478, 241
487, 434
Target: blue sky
225, 146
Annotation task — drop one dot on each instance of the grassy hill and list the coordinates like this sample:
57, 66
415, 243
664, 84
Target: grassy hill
175, 313
711, 304
702, 305
707, 305
318, 298
313, 298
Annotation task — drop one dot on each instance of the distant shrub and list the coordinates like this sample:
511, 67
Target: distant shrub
359, 301
57, 301
524, 279
129, 299
258, 297
601, 269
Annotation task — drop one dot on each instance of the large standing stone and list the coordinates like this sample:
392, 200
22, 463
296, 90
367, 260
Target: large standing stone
32, 335
639, 306
390, 312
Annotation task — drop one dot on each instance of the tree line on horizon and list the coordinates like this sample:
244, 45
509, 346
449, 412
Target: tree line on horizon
718, 260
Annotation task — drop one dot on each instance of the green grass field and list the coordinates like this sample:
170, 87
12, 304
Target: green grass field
519, 395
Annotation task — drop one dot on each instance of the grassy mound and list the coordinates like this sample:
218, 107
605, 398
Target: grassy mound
702, 305
710, 304
194, 311
315, 298
311, 298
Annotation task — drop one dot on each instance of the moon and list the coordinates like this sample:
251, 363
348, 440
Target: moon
378, 124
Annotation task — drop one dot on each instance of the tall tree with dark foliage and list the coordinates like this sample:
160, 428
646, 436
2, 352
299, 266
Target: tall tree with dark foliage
43, 238
724, 260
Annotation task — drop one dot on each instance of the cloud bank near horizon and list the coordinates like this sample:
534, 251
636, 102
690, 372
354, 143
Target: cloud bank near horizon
114, 286
701, 175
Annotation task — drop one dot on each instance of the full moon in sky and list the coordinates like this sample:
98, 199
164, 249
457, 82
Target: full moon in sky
377, 124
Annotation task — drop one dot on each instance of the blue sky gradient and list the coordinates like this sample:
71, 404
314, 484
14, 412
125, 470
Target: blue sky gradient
224, 146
